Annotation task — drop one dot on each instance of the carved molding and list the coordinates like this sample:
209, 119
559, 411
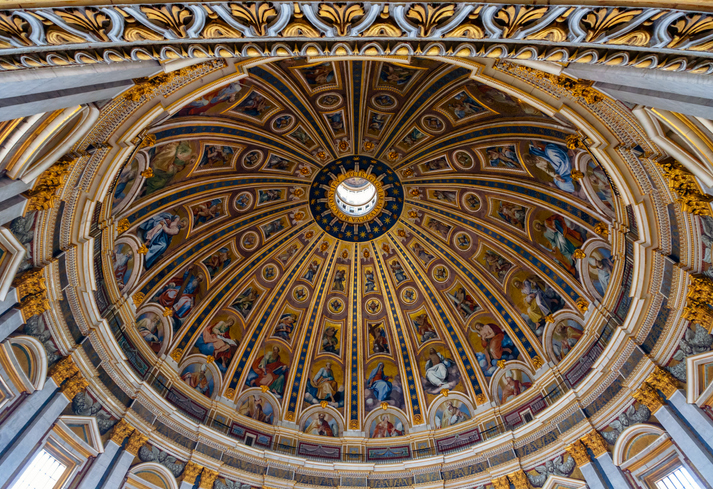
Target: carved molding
598, 35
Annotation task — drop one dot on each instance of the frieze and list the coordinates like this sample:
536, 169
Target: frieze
604, 35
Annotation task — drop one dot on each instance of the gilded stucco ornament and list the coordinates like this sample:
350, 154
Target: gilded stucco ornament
138, 298
662, 380
146, 87
208, 478
30, 282
121, 430
683, 183
595, 442
177, 354
601, 229
579, 453
136, 441
501, 482
34, 304
699, 299
127, 33
62, 370
43, 194
74, 385
582, 304
191, 472
122, 226
519, 480
649, 397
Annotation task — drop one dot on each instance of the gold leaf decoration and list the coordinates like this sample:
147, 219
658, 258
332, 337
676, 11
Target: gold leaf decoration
427, 17
514, 18
604, 19
256, 15
15, 27
341, 16
218, 30
173, 17
688, 28
382, 29
469, 31
88, 20
133, 34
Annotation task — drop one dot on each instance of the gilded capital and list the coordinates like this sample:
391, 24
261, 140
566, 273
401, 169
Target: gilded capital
208, 477
29, 283
122, 429
35, 304
519, 480
596, 443
76, 384
579, 453
649, 397
501, 483
662, 380
62, 370
136, 441
191, 472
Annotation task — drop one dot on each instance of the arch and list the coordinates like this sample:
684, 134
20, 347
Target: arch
65, 128
633, 434
30, 359
152, 475
443, 401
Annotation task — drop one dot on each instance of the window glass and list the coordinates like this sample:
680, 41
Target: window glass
43, 472
678, 479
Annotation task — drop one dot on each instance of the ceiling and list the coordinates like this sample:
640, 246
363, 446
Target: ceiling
477, 270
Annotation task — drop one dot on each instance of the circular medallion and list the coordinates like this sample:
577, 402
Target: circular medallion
252, 159
269, 272
249, 240
282, 123
373, 306
300, 293
432, 124
384, 101
336, 306
329, 101
409, 295
463, 160
243, 201
471, 201
462, 241
440, 273
356, 198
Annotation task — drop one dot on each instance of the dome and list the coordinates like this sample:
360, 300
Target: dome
366, 271
360, 249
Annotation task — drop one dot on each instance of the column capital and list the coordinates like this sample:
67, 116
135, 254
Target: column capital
663, 380
519, 480
579, 453
62, 370
596, 443
208, 477
122, 429
136, 441
649, 397
501, 483
76, 384
191, 472
34, 304
30, 282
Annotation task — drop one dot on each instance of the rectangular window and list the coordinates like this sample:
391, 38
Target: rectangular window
678, 479
43, 472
